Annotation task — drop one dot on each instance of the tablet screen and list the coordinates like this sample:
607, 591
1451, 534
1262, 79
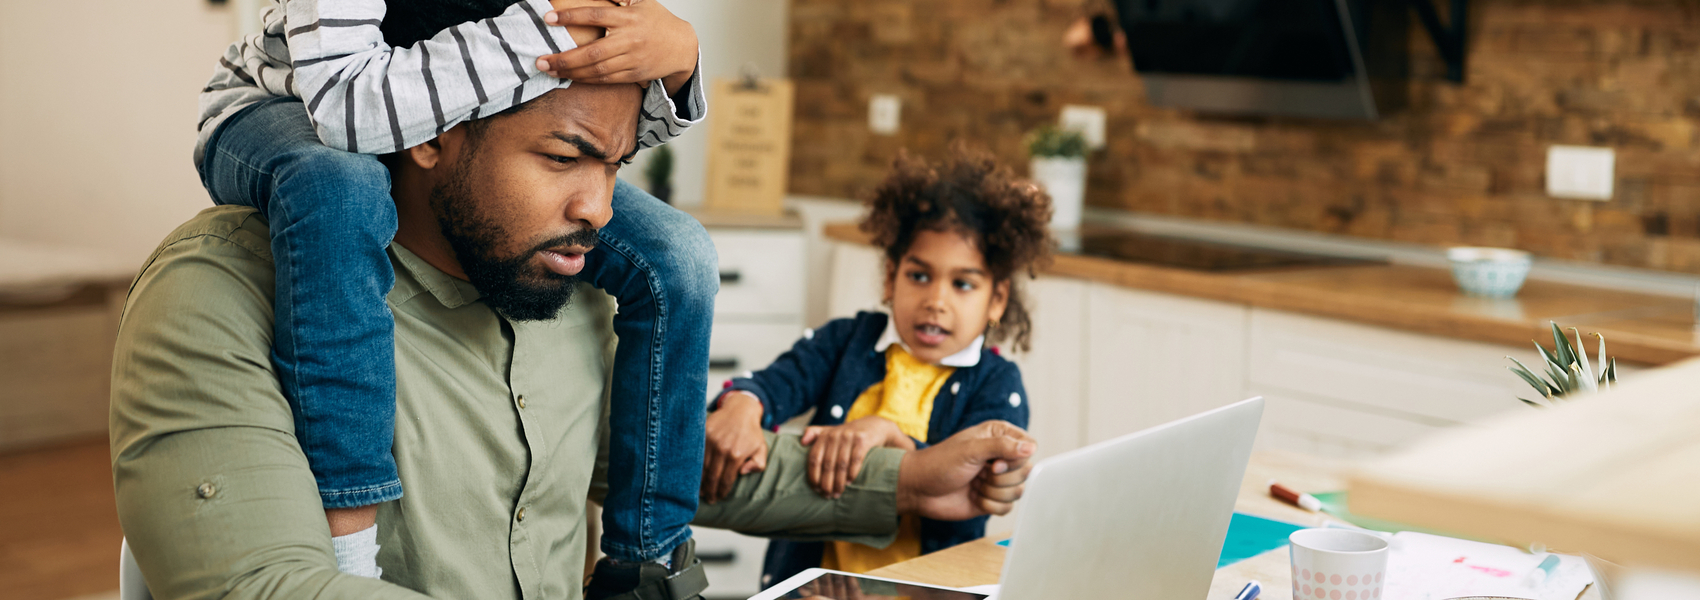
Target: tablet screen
836, 586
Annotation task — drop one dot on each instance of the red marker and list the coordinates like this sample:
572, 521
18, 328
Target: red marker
1288, 495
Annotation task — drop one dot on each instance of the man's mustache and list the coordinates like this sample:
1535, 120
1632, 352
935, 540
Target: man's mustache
583, 238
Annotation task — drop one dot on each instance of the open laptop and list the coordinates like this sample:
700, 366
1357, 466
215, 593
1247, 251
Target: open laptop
1140, 516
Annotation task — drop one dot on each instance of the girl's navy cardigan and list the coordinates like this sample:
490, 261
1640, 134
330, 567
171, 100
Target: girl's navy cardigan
829, 369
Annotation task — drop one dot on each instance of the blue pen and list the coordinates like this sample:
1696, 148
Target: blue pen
1250, 591
1542, 572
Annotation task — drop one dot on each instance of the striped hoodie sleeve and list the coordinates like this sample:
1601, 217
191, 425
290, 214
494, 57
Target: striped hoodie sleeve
664, 117
365, 96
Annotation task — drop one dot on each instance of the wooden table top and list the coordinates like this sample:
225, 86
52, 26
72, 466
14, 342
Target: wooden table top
981, 561
1640, 328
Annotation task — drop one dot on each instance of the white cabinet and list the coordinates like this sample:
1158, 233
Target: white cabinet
759, 311
1054, 370
1152, 358
1347, 389
761, 273
858, 280
731, 561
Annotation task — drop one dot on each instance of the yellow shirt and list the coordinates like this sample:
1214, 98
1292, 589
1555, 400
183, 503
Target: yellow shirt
905, 397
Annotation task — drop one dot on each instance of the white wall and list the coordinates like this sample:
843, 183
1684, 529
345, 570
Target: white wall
732, 33
97, 118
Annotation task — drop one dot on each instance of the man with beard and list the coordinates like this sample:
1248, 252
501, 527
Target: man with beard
502, 362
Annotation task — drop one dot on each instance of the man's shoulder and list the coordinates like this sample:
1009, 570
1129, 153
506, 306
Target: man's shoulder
224, 251
234, 231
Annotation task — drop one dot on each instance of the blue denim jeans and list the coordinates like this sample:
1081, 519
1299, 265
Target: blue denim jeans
331, 220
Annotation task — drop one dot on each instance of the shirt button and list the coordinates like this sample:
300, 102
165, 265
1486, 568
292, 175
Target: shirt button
1015, 399
837, 412
521, 400
955, 387
521, 514
206, 490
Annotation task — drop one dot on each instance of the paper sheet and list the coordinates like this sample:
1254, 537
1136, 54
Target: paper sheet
1431, 567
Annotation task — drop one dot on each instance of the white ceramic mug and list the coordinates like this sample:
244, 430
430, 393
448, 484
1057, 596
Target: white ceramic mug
1337, 564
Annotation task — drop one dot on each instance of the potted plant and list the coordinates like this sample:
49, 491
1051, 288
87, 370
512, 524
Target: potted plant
1567, 369
659, 173
1059, 166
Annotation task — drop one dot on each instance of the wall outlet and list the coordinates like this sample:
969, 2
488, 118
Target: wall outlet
885, 112
1088, 120
1580, 172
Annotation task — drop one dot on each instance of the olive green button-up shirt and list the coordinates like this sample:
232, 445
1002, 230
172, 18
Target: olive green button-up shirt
499, 426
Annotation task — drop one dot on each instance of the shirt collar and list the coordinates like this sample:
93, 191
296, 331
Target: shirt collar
968, 357
449, 291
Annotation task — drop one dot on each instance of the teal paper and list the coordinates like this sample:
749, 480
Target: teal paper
1248, 536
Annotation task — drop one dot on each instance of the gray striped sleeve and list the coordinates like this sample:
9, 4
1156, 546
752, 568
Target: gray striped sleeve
662, 119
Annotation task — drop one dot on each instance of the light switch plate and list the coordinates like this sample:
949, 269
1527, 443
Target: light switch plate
885, 112
1088, 120
1580, 172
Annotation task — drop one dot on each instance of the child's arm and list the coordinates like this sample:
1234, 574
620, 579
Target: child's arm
796, 381
365, 96
836, 451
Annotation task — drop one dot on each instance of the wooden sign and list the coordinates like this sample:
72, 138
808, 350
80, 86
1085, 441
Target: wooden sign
749, 145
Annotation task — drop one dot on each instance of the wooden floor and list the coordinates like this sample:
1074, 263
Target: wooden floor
58, 525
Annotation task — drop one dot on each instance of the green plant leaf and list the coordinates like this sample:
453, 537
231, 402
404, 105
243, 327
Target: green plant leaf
1605, 368
1531, 403
1561, 347
1546, 357
1560, 379
1582, 359
1529, 376
1055, 142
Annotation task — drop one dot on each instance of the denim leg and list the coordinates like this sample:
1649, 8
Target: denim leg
661, 267
331, 220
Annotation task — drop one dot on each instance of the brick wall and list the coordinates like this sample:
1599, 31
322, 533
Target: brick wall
1463, 165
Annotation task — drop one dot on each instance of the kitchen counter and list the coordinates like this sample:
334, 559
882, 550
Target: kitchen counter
1639, 328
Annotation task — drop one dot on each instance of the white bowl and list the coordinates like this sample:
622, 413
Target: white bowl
1489, 272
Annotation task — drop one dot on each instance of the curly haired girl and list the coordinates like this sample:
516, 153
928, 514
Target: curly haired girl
956, 237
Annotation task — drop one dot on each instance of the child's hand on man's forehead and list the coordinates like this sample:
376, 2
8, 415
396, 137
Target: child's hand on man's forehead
645, 42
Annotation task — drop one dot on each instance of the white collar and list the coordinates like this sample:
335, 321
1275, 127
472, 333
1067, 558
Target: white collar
968, 357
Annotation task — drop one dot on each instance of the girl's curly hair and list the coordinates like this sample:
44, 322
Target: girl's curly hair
1005, 217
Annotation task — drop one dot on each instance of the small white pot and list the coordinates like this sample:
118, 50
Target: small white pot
1065, 180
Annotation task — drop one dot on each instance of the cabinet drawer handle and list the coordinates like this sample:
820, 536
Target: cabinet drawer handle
711, 558
724, 363
730, 277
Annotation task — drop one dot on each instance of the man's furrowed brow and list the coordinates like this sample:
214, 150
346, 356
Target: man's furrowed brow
582, 144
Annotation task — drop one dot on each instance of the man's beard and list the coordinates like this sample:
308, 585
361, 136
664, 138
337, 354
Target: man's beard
513, 285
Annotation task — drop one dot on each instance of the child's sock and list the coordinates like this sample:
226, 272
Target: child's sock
357, 553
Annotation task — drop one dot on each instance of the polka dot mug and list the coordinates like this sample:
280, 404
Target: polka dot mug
1337, 564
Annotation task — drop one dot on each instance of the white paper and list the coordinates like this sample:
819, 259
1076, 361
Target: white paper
990, 590
1431, 567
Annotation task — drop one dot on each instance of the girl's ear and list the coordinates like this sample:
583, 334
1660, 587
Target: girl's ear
999, 301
